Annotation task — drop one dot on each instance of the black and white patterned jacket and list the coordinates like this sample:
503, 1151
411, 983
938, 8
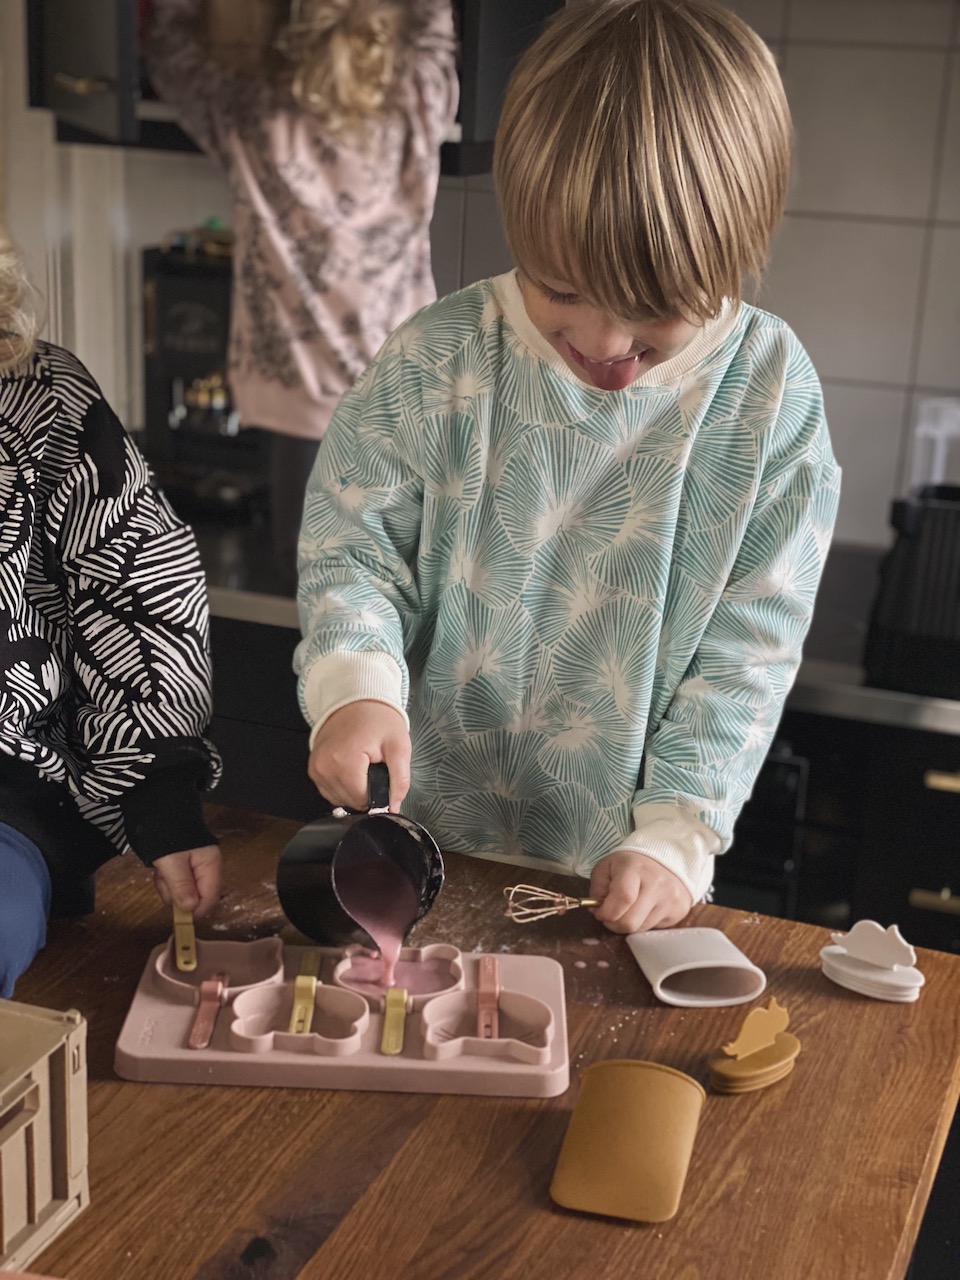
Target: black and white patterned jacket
105, 687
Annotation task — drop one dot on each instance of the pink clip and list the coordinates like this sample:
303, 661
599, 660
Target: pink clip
210, 997
488, 998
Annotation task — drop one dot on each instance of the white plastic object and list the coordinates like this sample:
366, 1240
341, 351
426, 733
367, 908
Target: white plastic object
873, 961
696, 967
935, 458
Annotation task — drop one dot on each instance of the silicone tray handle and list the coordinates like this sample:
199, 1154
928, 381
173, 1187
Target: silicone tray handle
394, 1021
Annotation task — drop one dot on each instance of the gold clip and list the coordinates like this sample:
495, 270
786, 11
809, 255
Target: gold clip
394, 1021
305, 993
184, 940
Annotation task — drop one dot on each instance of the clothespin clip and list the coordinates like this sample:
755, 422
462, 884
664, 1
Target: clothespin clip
394, 1021
488, 998
211, 995
305, 993
184, 940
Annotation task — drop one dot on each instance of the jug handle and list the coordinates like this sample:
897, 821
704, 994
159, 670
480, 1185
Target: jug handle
378, 784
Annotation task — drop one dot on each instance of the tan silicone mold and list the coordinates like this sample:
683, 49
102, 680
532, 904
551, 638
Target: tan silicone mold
449, 1026
434, 951
246, 964
261, 1018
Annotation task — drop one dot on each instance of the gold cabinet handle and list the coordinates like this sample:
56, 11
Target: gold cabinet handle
937, 780
945, 902
81, 86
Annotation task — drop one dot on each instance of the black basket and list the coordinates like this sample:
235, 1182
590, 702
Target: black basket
913, 639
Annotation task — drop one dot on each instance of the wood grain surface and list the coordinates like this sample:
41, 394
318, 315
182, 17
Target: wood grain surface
823, 1176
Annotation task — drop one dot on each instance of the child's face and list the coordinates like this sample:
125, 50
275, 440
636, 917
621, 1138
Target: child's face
605, 352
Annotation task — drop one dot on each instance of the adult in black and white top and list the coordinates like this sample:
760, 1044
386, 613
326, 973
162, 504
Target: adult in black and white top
104, 662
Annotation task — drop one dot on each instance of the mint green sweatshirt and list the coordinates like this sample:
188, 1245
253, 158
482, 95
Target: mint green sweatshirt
590, 604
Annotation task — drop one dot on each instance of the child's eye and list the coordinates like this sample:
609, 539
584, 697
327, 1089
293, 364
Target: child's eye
552, 296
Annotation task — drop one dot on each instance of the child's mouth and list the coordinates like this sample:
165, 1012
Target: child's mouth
609, 375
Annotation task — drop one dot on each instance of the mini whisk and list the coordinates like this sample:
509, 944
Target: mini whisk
526, 902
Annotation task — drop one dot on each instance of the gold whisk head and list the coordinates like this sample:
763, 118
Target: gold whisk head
526, 902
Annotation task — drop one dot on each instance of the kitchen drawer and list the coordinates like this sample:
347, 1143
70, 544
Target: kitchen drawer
909, 873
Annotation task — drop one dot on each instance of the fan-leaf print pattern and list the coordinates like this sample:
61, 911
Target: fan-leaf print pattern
474, 643
606, 655
598, 579
562, 486
480, 557
563, 591
591, 745
569, 825
104, 665
637, 557
499, 763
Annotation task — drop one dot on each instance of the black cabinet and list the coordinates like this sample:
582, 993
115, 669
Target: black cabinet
85, 67
201, 457
797, 843
909, 873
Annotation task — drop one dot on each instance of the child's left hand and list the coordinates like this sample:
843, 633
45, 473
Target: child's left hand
190, 879
638, 893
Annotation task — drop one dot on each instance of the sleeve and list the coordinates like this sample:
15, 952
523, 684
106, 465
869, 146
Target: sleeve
703, 757
435, 48
358, 594
186, 77
138, 625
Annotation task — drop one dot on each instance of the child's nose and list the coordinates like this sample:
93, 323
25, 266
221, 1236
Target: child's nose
604, 339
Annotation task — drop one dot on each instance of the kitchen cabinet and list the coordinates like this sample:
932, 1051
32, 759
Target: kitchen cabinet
909, 873
85, 67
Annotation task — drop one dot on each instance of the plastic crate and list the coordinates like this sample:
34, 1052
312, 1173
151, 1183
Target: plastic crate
43, 1127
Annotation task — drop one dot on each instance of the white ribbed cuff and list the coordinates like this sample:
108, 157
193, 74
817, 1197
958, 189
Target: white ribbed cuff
679, 841
344, 677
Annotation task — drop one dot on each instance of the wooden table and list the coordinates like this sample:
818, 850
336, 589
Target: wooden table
823, 1176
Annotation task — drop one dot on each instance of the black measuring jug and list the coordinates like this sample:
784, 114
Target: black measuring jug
384, 850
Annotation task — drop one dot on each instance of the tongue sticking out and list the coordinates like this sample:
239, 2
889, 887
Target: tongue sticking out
607, 376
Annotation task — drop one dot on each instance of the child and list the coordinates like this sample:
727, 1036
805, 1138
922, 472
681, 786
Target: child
332, 153
104, 669
572, 521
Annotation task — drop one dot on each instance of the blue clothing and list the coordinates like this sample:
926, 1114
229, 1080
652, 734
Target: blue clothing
590, 603
24, 905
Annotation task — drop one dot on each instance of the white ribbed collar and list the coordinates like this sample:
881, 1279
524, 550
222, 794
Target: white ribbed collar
510, 297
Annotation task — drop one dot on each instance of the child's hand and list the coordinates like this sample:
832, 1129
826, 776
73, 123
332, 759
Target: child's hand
638, 893
349, 741
189, 880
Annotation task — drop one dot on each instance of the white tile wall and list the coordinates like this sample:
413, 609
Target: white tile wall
446, 236
850, 289
939, 365
903, 22
948, 203
866, 126
866, 425
768, 17
867, 264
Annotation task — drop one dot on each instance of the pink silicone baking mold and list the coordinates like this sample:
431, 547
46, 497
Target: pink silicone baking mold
251, 1043
441, 954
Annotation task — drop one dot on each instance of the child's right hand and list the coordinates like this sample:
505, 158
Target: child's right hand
353, 738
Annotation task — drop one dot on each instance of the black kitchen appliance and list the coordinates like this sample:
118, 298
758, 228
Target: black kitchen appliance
913, 637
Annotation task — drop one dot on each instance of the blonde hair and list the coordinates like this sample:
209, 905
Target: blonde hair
346, 58
643, 156
19, 309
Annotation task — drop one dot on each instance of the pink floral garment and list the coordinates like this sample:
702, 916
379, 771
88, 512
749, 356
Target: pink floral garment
332, 242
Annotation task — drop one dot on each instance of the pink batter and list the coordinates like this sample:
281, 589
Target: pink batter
381, 899
366, 975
